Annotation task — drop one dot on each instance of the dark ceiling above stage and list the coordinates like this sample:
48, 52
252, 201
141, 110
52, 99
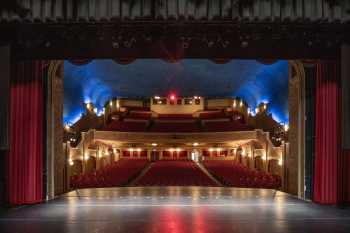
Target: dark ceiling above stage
101, 80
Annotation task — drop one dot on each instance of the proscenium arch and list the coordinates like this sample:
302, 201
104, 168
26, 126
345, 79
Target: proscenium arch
56, 160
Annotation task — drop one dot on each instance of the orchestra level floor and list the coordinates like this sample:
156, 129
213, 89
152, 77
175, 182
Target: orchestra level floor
177, 210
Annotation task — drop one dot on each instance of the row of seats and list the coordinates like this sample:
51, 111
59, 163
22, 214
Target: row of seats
175, 116
231, 173
219, 126
116, 174
126, 126
139, 115
175, 173
175, 127
142, 126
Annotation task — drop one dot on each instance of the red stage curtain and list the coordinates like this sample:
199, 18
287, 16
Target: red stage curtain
328, 139
25, 158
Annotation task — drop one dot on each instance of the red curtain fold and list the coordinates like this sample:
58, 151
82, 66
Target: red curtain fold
328, 131
25, 158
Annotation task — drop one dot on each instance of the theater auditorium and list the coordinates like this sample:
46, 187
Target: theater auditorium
174, 116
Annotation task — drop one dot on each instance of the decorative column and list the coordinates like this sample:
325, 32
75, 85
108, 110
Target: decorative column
149, 154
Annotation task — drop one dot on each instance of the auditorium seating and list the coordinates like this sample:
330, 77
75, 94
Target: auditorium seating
175, 127
212, 114
126, 126
175, 116
231, 173
219, 126
175, 173
116, 174
139, 115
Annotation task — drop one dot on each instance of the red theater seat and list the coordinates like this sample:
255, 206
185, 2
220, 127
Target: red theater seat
212, 115
175, 127
219, 126
234, 174
175, 173
126, 126
175, 116
116, 174
139, 115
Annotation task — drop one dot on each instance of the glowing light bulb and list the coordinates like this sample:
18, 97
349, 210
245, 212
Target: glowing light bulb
154, 144
86, 157
241, 103
111, 103
195, 144
138, 149
211, 150
131, 150
218, 149
71, 162
178, 149
286, 127
171, 150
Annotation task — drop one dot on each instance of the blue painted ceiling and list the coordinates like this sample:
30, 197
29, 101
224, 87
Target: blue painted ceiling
101, 80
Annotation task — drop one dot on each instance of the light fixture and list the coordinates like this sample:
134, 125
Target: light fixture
172, 97
111, 103
257, 110
243, 152
157, 97
234, 103
195, 144
280, 162
160, 102
241, 103
286, 127
211, 150
191, 102
131, 149
67, 127
154, 144
178, 149
138, 149
218, 149
95, 110
87, 157
171, 150
265, 106
71, 162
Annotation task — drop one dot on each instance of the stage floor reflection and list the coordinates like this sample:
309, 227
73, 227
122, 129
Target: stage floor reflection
177, 210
